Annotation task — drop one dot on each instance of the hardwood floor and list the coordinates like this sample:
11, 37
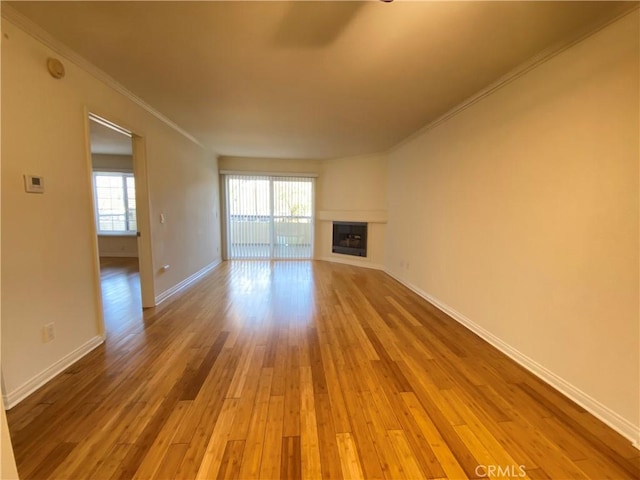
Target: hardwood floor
121, 300
305, 370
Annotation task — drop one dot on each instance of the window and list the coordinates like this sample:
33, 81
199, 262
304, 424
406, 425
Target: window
269, 217
115, 194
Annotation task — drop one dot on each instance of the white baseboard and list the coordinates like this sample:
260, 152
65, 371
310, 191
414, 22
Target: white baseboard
118, 254
186, 282
608, 416
353, 262
11, 399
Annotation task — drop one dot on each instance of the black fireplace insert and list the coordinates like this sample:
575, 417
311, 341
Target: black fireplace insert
350, 238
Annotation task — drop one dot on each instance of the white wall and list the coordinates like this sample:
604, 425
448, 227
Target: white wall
269, 165
353, 189
118, 246
347, 189
8, 469
48, 241
189, 240
520, 214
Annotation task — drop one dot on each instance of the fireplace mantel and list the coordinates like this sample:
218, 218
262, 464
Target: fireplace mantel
367, 216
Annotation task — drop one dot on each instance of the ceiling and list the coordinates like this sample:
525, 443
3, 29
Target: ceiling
107, 141
309, 79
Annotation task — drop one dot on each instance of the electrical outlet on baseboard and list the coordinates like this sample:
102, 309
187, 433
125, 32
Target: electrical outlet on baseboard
48, 332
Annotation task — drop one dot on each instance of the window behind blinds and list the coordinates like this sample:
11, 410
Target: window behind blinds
269, 217
115, 195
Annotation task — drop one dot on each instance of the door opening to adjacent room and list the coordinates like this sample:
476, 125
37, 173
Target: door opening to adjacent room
269, 217
114, 193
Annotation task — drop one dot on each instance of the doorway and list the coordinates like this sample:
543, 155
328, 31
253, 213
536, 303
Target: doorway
117, 198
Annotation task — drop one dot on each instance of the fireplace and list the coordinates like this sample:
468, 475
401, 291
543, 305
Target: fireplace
350, 238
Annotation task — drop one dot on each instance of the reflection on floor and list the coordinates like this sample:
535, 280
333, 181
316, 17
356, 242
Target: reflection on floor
120, 293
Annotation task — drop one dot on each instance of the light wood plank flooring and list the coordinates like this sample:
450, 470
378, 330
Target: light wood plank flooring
121, 299
304, 370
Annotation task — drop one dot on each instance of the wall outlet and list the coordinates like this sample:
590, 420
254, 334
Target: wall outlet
48, 332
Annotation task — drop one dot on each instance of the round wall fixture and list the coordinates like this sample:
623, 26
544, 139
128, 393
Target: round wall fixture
55, 67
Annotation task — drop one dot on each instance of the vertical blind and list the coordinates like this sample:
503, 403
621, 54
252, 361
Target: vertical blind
269, 217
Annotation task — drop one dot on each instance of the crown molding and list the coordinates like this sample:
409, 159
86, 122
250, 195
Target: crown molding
35, 31
519, 71
30, 28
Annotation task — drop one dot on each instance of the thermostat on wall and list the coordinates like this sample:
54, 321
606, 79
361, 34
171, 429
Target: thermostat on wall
33, 184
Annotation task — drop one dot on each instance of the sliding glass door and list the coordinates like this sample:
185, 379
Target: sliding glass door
269, 217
